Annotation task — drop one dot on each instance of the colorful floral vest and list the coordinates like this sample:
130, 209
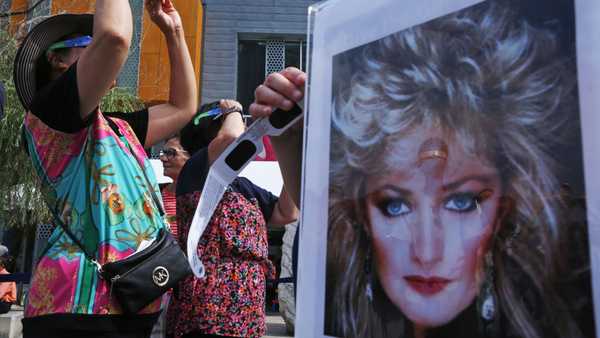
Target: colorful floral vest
100, 185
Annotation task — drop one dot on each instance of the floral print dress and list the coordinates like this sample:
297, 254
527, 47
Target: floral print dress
230, 299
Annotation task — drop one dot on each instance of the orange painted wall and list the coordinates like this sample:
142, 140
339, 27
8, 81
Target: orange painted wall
58, 6
154, 60
71, 6
17, 6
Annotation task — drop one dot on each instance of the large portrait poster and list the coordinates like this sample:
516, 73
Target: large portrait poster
449, 173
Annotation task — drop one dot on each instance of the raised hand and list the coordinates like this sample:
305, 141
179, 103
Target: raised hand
227, 104
164, 15
279, 90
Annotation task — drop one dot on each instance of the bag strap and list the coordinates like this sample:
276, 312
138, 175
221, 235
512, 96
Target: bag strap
66, 229
155, 199
77, 242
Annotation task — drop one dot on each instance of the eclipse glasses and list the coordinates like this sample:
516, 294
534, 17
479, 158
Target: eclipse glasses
238, 154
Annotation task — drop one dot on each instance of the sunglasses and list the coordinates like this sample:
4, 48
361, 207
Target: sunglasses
238, 154
81, 41
169, 153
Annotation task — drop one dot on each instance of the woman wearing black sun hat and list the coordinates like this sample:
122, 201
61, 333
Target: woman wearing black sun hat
95, 175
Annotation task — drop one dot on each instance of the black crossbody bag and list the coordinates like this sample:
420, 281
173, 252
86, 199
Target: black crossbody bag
143, 277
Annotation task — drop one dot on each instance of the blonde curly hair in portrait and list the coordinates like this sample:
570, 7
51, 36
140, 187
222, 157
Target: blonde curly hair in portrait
490, 81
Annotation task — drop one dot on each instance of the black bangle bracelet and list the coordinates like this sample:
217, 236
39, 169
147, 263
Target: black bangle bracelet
230, 111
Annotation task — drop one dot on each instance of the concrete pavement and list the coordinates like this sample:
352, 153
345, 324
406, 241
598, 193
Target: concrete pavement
276, 326
10, 323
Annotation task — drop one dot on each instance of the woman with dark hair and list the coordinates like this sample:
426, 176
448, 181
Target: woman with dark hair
230, 299
173, 158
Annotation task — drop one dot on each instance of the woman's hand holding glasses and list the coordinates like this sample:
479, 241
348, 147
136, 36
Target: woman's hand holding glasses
282, 90
280, 99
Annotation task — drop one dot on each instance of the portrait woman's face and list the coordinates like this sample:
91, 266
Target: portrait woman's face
430, 220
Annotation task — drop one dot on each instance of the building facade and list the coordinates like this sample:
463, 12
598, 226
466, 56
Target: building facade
245, 40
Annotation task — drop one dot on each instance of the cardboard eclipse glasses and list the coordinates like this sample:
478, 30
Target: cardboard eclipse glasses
238, 154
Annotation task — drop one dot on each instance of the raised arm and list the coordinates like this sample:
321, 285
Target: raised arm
281, 91
166, 119
285, 210
232, 127
102, 60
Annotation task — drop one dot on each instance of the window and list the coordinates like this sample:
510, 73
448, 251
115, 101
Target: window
258, 58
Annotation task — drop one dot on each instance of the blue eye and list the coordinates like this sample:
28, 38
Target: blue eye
394, 207
463, 202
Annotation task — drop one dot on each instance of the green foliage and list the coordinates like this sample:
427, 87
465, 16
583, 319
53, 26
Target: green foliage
121, 99
21, 202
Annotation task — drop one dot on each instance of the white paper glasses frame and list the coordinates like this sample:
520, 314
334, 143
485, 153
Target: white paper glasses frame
337, 26
245, 148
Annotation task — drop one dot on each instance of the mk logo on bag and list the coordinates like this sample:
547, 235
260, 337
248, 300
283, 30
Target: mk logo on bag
160, 276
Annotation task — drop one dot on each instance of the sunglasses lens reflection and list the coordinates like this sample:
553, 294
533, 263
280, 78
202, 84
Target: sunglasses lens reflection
241, 154
282, 118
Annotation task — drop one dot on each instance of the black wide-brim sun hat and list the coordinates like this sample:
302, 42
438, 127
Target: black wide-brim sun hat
35, 44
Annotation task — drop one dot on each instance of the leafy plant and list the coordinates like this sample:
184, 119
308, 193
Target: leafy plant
121, 99
21, 202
